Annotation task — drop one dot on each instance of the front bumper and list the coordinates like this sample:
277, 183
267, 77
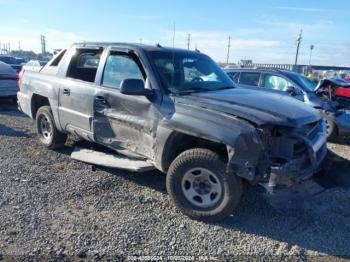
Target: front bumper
303, 166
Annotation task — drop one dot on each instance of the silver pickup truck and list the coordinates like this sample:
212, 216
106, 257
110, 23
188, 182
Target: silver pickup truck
180, 113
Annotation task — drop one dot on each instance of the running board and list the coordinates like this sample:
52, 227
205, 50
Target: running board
110, 160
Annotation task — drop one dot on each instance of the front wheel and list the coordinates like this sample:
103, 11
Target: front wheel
331, 128
47, 132
198, 184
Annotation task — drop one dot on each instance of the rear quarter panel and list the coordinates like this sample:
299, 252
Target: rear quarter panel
36, 83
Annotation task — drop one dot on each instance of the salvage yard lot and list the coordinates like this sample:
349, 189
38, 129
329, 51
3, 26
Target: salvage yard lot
53, 206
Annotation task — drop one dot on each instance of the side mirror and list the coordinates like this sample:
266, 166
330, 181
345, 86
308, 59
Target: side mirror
134, 87
291, 90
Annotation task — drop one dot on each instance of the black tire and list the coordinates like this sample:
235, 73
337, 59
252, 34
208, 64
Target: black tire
57, 139
207, 160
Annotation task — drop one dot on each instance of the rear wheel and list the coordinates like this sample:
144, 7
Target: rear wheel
47, 132
200, 187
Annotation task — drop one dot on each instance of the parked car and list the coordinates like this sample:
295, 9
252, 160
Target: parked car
12, 61
297, 86
8, 81
336, 90
34, 65
21, 60
178, 112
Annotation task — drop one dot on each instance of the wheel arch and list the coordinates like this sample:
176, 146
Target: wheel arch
38, 101
175, 143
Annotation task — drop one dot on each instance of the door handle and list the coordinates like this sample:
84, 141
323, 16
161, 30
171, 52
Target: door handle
101, 100
66, 91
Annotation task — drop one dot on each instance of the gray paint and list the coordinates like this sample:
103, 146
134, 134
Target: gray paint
235, 119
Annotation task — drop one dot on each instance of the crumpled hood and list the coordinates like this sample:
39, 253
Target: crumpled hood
258, 107
332, 81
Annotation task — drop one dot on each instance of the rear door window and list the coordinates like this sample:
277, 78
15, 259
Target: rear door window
249, 78
58, 58
83, 65
235, 77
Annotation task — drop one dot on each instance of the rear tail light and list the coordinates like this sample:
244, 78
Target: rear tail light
343, 92
20, 78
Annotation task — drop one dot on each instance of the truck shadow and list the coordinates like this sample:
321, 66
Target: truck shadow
8, 131
152, 179
319, 224
9, 108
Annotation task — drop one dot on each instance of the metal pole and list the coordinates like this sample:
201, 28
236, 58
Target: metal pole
311, 48
299, 37
228, 50
188, 41
174, 32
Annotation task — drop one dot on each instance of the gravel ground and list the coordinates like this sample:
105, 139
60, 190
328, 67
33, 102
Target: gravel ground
54, 207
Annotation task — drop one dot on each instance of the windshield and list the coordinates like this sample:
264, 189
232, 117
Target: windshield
304, 82
183, 72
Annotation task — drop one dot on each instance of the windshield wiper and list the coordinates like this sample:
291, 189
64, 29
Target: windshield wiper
200, 89
192, 90
226, 87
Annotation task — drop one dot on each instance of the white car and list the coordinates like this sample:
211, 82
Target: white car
34, 65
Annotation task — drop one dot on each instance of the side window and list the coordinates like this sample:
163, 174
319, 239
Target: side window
249, 78
58, 59
118, 68
83, 65
276, 82
234, 76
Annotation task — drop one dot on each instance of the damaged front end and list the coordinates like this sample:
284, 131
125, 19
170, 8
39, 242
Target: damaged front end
293, 154
287, 155
335, 94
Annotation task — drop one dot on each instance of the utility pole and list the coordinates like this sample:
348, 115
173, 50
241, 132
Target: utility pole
228, 50
311, 48
43, 45
174, 32
299, 37
188, 41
